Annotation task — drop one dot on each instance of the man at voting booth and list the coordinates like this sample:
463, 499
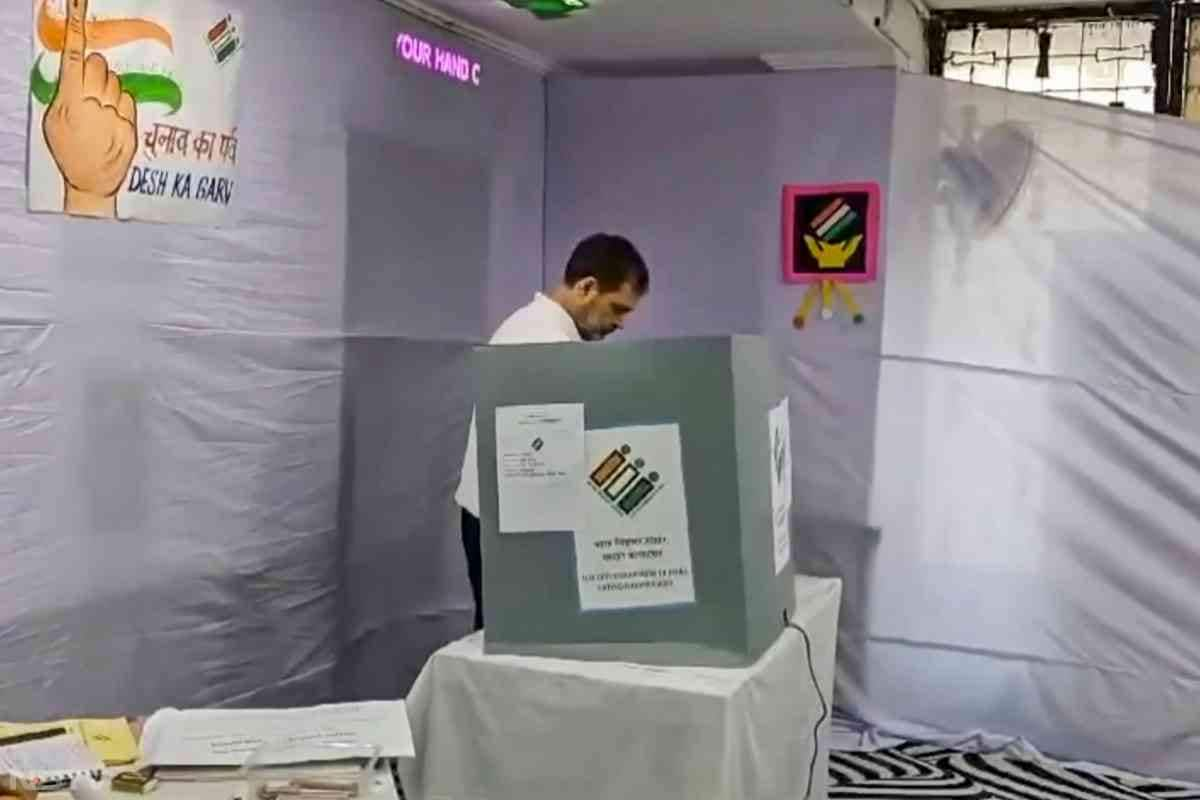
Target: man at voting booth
603, 282
635, 509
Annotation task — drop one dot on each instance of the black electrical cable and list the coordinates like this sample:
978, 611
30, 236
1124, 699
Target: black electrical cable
812, 671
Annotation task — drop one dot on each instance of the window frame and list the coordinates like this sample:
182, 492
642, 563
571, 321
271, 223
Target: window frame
1168, 37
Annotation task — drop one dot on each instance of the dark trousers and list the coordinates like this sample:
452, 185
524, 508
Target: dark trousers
471, 546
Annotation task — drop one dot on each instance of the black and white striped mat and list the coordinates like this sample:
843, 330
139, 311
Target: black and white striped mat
922, 772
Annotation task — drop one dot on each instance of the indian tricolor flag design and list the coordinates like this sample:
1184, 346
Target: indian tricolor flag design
102, 35
834, 220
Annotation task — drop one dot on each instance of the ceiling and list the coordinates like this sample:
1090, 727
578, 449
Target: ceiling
652, 36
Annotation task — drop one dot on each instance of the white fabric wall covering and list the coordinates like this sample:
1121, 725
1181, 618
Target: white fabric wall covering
173, 400
1037, 474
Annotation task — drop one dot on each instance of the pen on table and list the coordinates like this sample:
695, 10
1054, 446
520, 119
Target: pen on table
32, 736
329, 786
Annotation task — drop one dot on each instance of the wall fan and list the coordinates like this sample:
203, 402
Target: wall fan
982, 176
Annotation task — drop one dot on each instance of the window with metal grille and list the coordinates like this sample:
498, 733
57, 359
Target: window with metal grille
1107, 63
1191, 98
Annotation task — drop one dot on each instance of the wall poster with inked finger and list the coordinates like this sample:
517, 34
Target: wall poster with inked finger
134, 109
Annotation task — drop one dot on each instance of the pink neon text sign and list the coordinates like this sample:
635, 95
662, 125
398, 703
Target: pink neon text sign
447, 63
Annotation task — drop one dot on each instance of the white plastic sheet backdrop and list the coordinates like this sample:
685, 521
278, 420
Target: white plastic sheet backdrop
172, 399
1026, 413
1037, 469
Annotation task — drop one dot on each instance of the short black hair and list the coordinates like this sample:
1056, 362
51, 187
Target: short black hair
612, 260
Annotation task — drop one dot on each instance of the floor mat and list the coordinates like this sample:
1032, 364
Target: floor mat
915, 771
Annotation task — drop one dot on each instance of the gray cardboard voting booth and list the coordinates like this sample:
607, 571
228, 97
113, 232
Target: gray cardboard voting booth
719, 391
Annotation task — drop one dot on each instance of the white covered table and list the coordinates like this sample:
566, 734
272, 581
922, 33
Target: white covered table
519, 728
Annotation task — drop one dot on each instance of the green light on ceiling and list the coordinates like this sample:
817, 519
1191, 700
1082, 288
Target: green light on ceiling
550, 9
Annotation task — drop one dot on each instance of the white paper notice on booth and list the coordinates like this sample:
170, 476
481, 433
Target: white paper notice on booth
779, 426
634, 549
540, 467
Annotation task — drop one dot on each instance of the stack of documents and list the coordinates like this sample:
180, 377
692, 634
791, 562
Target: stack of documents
225, 738
211, 746
111, 740
48, 761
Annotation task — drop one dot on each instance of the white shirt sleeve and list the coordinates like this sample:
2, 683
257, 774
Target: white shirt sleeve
467, 495
540, 322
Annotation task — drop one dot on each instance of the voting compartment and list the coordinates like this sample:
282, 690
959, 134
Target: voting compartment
635, 500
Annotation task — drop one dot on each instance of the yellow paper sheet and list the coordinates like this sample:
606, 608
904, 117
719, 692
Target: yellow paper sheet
110, 739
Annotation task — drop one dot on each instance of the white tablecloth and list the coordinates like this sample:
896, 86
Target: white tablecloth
517, 728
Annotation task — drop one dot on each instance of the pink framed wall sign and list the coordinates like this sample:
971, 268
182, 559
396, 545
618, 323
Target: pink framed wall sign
831, 232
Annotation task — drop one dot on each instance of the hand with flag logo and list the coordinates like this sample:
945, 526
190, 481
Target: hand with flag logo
832, 256
91, 125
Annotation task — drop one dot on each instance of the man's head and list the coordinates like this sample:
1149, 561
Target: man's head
604, 280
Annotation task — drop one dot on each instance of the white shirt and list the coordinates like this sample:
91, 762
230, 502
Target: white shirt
540, 322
